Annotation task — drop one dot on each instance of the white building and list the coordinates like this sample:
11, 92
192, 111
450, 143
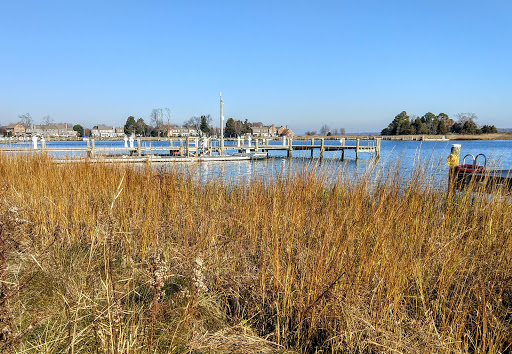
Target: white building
106, 131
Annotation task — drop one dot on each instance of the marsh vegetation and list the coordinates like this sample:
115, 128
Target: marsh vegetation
106, 258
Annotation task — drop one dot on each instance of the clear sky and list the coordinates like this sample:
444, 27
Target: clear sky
348, 64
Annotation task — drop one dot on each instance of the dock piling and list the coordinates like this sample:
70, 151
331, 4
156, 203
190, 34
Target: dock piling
93, 145
357, 149
289, 151
43, 145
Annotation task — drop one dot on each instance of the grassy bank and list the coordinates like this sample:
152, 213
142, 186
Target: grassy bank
102, 258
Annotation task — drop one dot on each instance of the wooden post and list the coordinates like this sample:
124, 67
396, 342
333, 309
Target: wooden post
357, 149
456, 152
188, 146
139, 148
93, 145
312, 148
43, 145
289, 150
256, 145
377, 148
322, 148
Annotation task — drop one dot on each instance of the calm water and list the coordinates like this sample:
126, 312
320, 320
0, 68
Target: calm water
407, 154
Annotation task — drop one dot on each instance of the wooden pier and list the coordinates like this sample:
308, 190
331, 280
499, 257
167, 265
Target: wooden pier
196, 149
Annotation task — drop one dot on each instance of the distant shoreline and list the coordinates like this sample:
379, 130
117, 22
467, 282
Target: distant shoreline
494, 136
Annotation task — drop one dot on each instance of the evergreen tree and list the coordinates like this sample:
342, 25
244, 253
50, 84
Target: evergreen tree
78, 128
419, 126
229, 130
246, 127
129, 127
141, 127
441, 127
205, 127
489, 129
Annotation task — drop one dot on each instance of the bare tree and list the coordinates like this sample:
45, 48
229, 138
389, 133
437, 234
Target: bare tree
324, 129
465, 117
47, 120
26, 120
157, 119
193, 122
167, 117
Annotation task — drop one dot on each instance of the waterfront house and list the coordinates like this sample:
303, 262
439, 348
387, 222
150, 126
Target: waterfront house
285, 131
52, 130
262, 131
182, 131
270, 131
15, 129
106, 131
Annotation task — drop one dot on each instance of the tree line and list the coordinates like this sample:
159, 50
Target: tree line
160, 124
440, 124
325, 130
27, 121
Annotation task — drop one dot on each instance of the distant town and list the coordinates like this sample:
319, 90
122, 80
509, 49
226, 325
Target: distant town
159, 126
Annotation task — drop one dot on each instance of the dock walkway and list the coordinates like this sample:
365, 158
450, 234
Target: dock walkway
196, 149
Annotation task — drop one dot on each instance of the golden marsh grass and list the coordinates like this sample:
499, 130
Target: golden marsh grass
106, 258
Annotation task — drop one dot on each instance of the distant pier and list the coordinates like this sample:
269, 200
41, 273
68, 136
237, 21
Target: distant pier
201, 149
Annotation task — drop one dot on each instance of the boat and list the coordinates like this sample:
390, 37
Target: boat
443, 138
252, 155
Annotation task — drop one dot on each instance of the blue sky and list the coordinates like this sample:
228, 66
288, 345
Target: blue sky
347, 64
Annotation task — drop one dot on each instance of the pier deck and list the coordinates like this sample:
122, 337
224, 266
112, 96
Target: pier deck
194, 149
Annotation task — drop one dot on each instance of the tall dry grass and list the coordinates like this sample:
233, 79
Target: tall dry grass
105, 258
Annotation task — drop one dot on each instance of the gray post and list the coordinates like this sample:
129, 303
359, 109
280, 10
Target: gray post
139, 148
377, 148
322, 148
357, 149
